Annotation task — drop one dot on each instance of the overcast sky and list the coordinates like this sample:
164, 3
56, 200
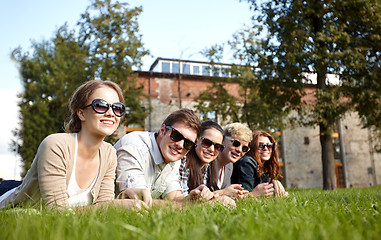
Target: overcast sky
169, 28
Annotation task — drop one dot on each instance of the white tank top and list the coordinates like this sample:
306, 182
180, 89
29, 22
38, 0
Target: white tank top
77, 196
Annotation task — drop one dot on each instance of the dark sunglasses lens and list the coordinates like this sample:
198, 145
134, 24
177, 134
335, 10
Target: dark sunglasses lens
269, 146
100, 106
218, 147
206, 143
118, 109
188, 144
245, 148
176, 135
236, 143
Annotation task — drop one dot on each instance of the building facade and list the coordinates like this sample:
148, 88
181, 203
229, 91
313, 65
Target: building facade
172, 84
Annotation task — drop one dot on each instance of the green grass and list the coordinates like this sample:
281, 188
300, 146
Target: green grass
306, 214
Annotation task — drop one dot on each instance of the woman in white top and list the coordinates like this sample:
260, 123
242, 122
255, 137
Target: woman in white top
77, 168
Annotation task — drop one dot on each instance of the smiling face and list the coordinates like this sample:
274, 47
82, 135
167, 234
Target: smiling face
264, 154
232, 153
208, 154
100, 125
170, 150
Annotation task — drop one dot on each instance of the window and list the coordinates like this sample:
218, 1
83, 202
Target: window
216, 71
175, 67
205, 70
224, 71
186, 68
340, 174
196, 70
165, 67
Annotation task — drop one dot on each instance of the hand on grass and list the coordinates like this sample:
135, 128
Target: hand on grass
137, 193
235, 191
279, 189
263, 190
226, 201
202, 192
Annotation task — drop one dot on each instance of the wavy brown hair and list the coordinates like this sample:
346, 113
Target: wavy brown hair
270, 167
80, 99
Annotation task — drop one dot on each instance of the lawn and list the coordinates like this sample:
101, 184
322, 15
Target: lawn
307, 214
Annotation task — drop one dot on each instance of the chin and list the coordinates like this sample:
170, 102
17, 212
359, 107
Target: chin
206, 161
172, 158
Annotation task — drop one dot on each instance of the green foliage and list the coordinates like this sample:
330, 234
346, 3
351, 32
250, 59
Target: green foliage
107, 46
217, 99
322, 37
260, 103
49, 77
306, 214
109, 30
338, 37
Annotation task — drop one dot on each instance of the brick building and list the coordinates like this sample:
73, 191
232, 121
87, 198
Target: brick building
355, 161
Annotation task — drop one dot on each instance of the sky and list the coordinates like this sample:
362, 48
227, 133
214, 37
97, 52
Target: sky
169, 29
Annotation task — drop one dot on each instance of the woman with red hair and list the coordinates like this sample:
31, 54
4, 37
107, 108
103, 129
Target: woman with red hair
258, 171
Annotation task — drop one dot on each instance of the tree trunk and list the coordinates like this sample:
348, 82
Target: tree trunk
327, 154
327, 157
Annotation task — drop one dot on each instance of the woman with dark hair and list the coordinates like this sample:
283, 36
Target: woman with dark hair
199, 166
77, 168
258, 171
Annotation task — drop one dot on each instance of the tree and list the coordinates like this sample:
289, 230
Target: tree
110, 33
323, 37
255, 104
49, 77
106, 47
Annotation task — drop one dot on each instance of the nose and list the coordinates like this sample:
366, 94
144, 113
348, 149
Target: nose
212, 147
109, 112
179, 144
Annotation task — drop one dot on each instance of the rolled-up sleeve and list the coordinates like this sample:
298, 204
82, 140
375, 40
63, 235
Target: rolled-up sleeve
130, 168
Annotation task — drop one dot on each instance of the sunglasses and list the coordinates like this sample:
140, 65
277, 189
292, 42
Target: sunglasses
101, 106
237, 143
177, 136
206, 143
269, 146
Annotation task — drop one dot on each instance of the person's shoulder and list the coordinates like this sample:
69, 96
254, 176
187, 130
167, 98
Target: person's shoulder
107, 146
247, 159
58, 139
229, 166
132, 139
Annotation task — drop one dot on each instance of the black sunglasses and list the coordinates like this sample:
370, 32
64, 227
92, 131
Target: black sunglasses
206, 143
177, 136
237, 143
101, 106
269, 146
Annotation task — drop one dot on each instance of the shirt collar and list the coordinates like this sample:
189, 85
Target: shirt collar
156, 154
